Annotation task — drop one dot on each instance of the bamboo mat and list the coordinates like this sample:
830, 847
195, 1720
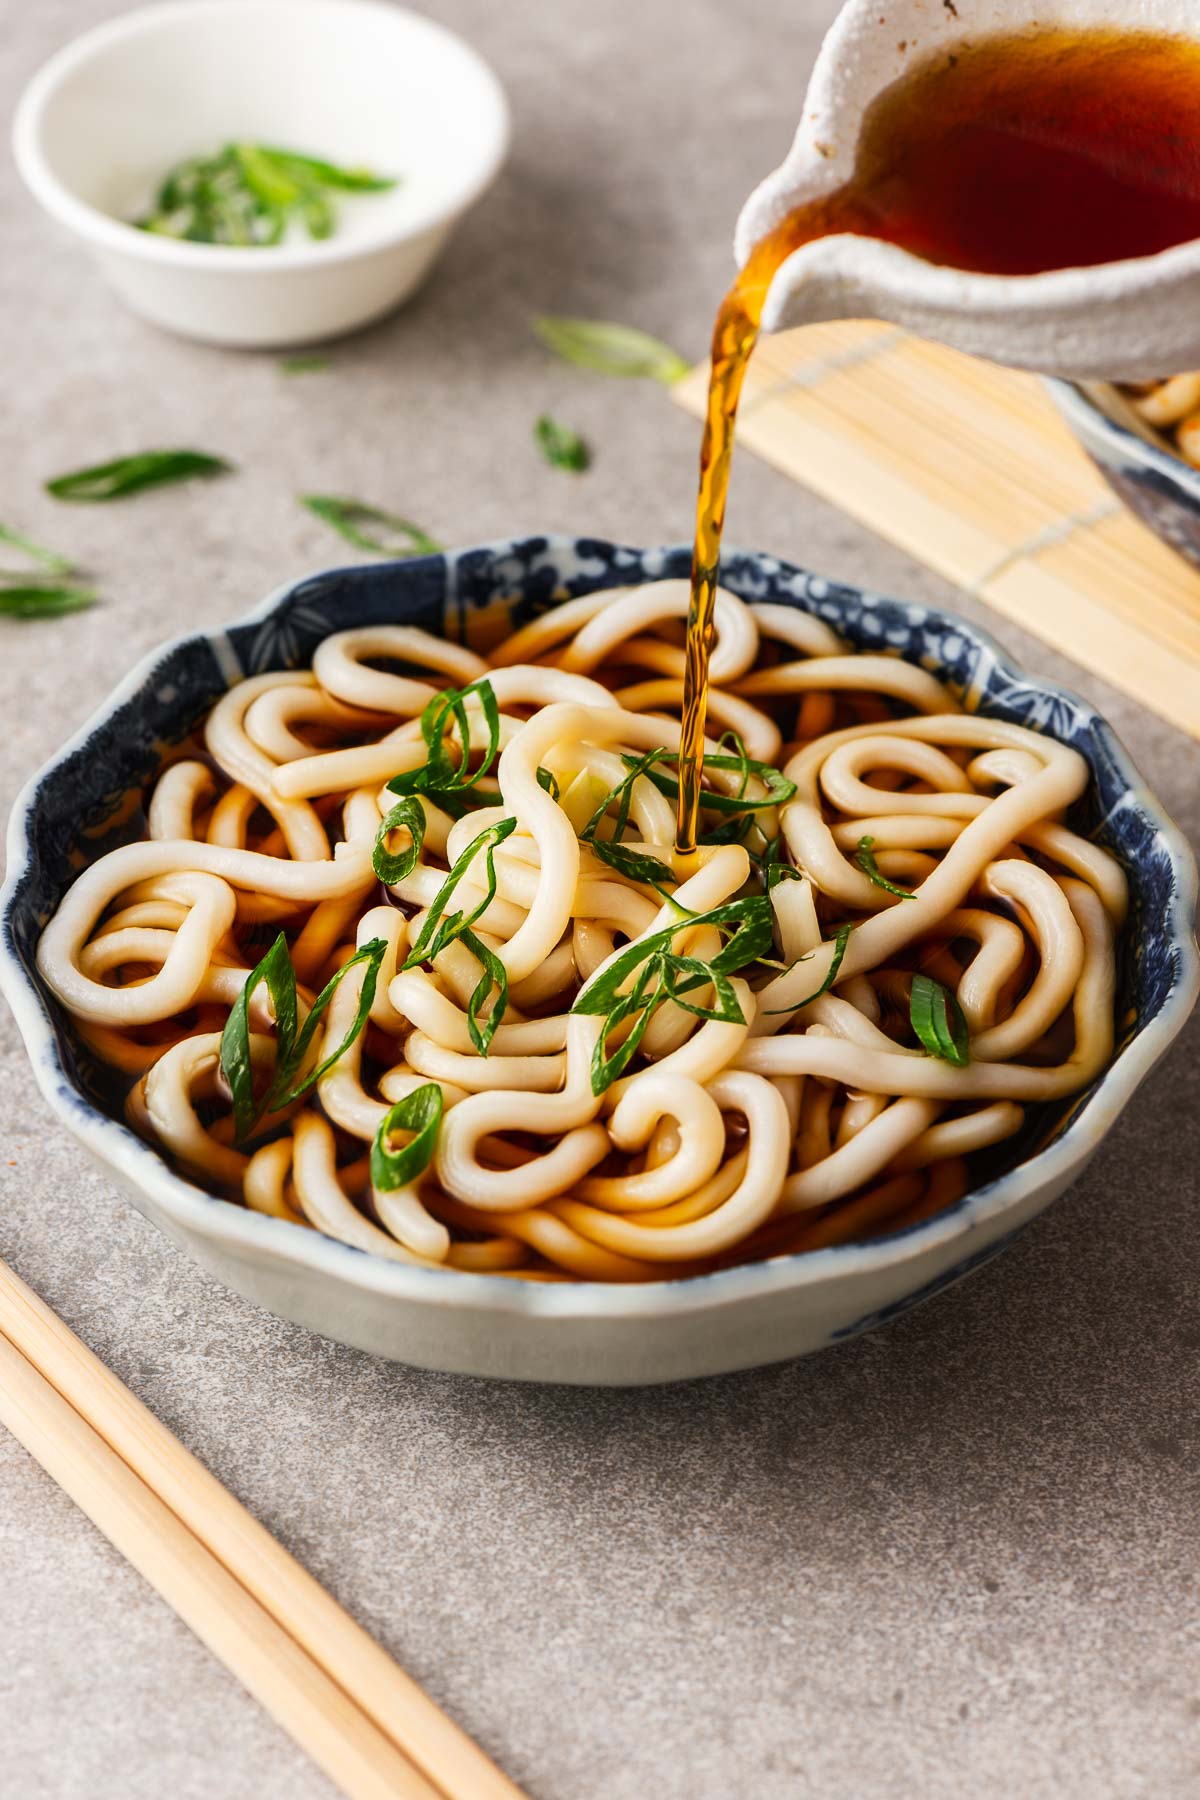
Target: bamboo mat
968, 467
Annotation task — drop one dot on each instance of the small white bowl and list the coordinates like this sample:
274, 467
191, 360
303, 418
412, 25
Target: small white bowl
358, 82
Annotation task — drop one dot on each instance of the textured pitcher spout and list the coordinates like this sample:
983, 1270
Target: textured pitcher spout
1129, 320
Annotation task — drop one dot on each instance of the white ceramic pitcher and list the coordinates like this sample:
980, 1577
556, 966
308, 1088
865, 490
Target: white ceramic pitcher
1123, 320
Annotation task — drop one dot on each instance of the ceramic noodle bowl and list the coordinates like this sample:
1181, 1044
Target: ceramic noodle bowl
86, 803
1153, 481
1119, 320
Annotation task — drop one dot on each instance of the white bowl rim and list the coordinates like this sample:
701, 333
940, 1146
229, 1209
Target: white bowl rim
255, 1234
108, 233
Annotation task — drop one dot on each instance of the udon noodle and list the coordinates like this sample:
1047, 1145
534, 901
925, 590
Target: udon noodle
501, 1025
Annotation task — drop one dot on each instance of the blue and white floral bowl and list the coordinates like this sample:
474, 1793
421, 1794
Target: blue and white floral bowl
579, 1332
1160, 487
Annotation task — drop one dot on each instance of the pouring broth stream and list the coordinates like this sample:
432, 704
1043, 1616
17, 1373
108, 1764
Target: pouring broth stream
1014, 155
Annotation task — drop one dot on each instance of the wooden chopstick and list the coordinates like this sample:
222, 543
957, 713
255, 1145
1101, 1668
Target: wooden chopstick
317, 1713
368, 1725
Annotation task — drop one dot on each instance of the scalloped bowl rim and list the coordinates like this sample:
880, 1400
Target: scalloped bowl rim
196, 1211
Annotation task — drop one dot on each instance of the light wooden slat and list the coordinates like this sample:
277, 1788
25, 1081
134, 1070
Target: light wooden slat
1017, 442
968, 467
1113, 556
213, 1554
956, 463
874, 483
1060, 613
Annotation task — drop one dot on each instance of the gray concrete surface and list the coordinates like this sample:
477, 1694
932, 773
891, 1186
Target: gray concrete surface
957, 1557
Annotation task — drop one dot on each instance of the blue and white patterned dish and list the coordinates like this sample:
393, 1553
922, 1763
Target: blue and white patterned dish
578, 1332
1162, 489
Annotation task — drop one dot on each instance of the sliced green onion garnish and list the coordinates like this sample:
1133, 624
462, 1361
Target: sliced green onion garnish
938, 1021
840, 940
419, 1112
439, 777
407, 815
291, 1046
130, 474
562, 449
865, 860
610, 349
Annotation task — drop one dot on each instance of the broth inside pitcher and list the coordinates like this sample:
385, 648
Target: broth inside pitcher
1010, 155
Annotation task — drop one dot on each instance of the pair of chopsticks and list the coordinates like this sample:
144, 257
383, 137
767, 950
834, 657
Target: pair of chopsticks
369, 1726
